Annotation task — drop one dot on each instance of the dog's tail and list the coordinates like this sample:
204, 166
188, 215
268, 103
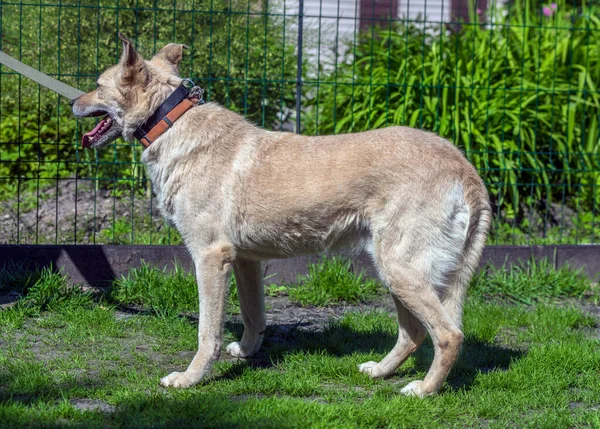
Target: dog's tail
480, 217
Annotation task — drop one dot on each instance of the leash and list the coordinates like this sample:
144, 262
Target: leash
39, 77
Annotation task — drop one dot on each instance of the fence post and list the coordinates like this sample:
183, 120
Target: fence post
299, 71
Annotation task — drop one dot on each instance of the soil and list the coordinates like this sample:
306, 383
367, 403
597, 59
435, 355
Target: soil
72, 212
281, 312
93, 405
284, 317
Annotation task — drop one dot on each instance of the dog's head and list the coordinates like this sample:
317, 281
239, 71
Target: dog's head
127, 94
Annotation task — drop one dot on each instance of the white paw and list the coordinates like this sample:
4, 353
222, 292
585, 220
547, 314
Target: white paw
178, 379
235, 349
367, 367
414, 388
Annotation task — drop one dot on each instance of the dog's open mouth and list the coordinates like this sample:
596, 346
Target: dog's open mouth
105, 132
99, 130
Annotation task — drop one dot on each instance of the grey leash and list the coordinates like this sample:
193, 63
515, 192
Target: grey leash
39, 77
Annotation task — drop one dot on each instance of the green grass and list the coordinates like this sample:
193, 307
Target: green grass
531, 282
141, 230
522, 365
331, 281
163, 291
17, 278
171, 291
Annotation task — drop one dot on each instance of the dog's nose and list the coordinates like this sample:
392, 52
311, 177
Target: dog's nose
72, 102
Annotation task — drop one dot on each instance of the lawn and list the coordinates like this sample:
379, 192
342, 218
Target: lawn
76, 358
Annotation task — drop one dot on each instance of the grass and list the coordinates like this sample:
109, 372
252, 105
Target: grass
332, 281
158, 290
164, 292
522, 365
17, 278
141, 230
530, 282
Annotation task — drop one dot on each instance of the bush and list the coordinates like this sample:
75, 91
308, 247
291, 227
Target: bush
520, 97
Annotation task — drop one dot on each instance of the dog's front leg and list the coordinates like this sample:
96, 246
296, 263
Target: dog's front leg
248, 276
213, 268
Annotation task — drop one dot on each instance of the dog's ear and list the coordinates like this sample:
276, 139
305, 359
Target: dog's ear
170, 56
134, 69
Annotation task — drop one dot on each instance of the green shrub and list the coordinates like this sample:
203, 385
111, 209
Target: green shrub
520, 97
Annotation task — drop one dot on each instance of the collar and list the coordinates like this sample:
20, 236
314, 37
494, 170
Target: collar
179, 102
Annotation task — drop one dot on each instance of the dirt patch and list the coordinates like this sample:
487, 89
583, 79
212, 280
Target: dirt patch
73, 211
287, 315
92, 405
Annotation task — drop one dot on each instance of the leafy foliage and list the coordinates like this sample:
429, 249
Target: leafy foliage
519, 95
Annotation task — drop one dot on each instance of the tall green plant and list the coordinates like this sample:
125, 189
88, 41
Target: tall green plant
519, 96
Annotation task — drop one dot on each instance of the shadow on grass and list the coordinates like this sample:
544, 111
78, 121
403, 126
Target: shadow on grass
31, 403
280, 340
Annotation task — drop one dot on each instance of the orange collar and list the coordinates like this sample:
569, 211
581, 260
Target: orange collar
176, 104
167, 122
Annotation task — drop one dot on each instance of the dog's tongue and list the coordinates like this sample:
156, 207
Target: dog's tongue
87, 138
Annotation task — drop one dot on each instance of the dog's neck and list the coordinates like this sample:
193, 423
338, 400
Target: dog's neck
171, 109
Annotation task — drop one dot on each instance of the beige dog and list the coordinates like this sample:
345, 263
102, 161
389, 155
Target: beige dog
239, 194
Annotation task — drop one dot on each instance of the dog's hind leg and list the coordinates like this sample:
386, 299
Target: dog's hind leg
248, 276
419, 296
411, 334
213, 269
417, 266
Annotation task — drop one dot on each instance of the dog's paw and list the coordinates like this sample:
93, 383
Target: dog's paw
178, 379
415, 388
369, 368
235, 349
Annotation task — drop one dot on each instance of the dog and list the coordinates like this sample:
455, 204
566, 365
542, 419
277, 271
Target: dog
239, 194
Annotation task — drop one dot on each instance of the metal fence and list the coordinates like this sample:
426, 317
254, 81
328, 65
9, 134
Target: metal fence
512, 84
